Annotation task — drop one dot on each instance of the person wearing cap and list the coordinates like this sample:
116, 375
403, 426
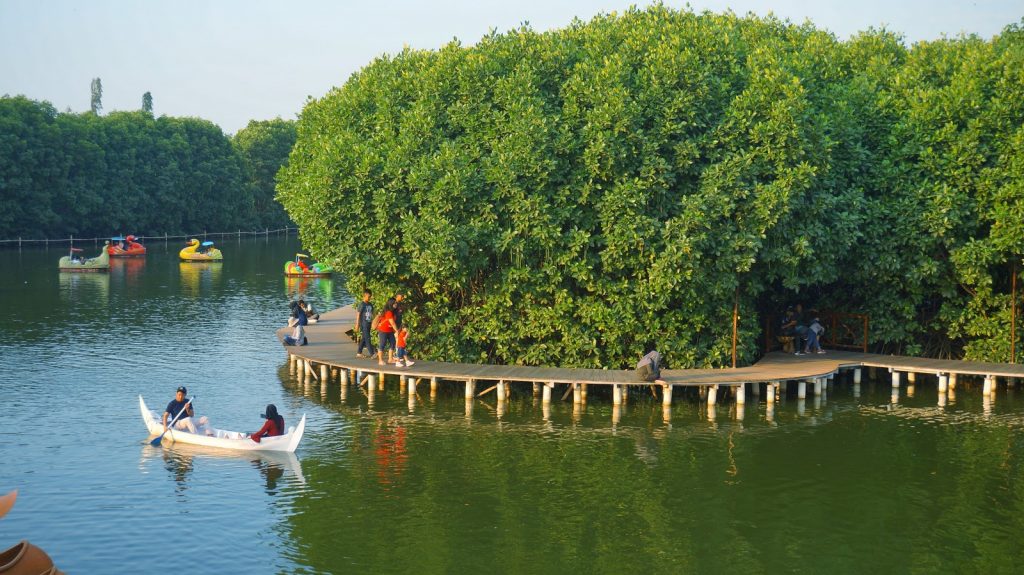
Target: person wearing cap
274, 425
176, 406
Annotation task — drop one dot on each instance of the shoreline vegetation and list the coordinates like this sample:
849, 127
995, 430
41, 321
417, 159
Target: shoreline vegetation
65, 174
577, 197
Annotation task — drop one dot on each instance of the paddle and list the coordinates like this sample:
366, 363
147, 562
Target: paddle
156, 442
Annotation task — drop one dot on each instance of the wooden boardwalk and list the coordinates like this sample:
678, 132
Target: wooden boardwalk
334, 352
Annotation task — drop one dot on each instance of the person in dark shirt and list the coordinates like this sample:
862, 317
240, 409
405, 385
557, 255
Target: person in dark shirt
364, 316
398, 310
178, 405
649, 368
273, 427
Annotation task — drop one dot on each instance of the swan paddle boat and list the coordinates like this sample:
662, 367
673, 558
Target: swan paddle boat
222, 438
125, 247
75, 263
200, 252
299, 268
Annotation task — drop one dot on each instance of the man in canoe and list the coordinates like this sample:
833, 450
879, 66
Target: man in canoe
177, 405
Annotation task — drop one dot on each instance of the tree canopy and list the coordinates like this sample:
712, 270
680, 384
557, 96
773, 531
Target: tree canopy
67, 174
576, 196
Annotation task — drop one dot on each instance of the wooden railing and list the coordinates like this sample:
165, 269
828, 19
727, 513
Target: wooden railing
842, 331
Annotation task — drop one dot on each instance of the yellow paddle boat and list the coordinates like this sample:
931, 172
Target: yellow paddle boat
200, 252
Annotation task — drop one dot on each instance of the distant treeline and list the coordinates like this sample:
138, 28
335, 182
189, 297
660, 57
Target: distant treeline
577, 196
83, 174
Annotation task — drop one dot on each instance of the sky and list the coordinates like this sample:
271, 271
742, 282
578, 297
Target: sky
232, 61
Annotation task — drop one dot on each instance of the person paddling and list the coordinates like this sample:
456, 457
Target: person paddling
273, 427
177, 405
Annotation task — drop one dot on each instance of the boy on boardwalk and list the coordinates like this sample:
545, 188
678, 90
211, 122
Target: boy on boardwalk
365, 315
403, 356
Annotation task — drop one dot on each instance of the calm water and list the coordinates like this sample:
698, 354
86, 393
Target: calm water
841, 485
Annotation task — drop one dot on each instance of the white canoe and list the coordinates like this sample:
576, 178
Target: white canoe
223, 438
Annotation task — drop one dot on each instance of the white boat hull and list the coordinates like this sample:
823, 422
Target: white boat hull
222, 438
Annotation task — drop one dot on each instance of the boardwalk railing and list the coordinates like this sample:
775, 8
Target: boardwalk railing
166, 237
842, 331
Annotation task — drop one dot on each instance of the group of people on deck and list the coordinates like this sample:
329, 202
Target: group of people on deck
180, 414
804, 328
392, 334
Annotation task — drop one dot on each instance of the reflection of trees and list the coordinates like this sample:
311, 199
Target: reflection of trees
862, 490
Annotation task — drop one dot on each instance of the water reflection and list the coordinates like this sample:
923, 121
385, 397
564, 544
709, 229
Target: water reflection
128, 270
180, 459
199, 278
296, 287
84, 288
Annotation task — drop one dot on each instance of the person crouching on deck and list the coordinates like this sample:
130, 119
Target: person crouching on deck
273, 427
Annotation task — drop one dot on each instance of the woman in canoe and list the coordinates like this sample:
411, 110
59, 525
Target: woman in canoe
273, 427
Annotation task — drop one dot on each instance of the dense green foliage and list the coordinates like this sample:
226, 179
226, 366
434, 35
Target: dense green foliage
570, 197
67, 174
264, 148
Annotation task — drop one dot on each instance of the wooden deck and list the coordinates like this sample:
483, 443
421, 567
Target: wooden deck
330, 346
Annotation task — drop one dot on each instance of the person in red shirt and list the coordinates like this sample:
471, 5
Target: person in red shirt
273, 427
386, 329
403, 356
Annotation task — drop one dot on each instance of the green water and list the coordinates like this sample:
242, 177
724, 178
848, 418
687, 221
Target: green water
847, 483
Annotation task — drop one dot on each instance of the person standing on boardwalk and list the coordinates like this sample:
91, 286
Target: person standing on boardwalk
364, 314
386, 329
403, 356
399, 309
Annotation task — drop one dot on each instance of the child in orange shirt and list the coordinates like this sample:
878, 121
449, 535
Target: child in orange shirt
403, 356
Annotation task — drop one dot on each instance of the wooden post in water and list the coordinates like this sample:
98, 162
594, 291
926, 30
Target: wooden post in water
990, 385
323, 374
712, 395
577, 394
770, 389
666, 395
911, 378
546, 397
801, 389
433, 386
741, 394
536, 389
343, 377
412, 386
952, 381
856, 375
616, 394
817, 386
896, 379
943, 382
501, 390
470, 388
371, 382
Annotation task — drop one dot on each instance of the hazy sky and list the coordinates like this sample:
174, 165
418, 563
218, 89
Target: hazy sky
231, 61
